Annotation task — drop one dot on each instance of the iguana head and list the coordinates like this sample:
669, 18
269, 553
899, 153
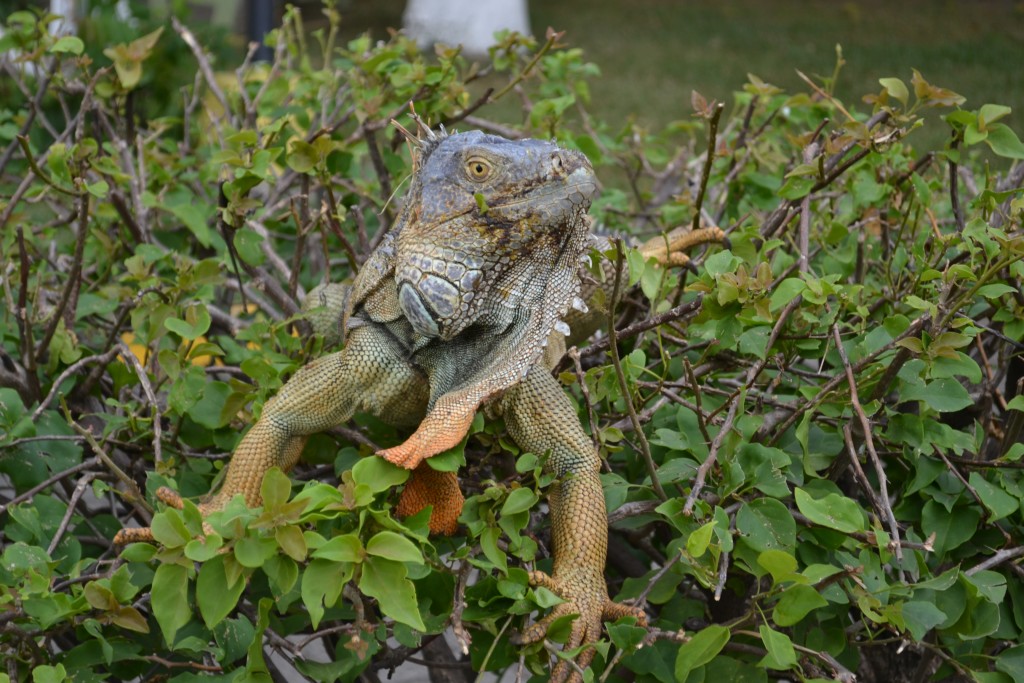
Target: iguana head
489, 223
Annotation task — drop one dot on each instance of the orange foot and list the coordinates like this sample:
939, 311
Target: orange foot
585, 596
441, 429
426, 487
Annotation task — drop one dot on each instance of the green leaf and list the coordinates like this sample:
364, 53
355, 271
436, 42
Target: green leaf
203, 548
766, 524
98, 189
942, 395
195, 217
302, 156
249, 245
275, 489
921, 617
170, 602
322, 583
386, 580
291, 540
832, 511
1016, 403
1000, 503
378, 474
797, 187
700, 649
519, 500
896, 88
1011, 662
344, 548
796, 602
44, 673
1004, 142
169, 529
197, 323
215, 595
781, 655
253, 552
698, 542
780, 564
489, 544
994, 291
72, 44
786, 291
392, 546
990, 113
950, 528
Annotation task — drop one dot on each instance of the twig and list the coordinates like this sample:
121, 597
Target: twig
633, 509
954, 189
35, 109
204, 64
645, 447
869, 442
692, 379
154, 407
134, 496
332, 222
102, 359
723, 563
72, 283
734, 404
810, 152
462, 636
28, 356
76, 495
679, 312
708, 161
996, 560
84, 465
858, 471
196, 666
550, 39
914, 327
27, 151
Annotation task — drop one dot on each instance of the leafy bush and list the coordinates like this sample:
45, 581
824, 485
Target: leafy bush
831, 409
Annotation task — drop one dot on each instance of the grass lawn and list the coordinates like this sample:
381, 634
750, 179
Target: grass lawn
652, 53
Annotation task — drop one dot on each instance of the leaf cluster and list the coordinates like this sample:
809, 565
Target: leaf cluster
831, 409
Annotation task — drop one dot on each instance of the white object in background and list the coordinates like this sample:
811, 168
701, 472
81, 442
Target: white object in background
470, 23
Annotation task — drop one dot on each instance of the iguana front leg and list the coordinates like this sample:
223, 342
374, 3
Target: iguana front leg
369, 375
541, 418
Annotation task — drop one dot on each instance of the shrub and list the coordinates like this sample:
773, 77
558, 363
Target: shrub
833, 423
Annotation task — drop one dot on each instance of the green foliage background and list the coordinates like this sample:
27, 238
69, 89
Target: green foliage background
834, 423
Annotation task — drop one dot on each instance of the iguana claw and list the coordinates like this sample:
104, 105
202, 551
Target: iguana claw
586, 598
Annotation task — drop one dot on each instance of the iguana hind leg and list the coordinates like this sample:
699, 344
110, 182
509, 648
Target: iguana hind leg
541, 418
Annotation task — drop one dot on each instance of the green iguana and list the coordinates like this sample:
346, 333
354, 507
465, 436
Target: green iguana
452, 312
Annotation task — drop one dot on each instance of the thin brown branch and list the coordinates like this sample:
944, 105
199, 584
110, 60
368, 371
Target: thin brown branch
709, 159
869, 442
645, 447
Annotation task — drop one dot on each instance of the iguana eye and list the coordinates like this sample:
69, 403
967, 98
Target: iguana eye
478, 168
